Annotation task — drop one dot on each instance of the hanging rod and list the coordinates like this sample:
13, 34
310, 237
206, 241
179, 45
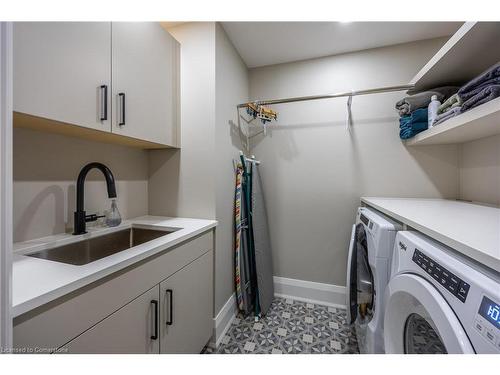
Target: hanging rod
329, 96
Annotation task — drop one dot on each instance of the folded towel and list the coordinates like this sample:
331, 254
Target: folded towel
422, 99
485, 95
469, 94
416, 128
447, 115
490, 74
413, 124
452, 102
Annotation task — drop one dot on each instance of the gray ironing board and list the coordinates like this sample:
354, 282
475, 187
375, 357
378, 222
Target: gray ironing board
262, 243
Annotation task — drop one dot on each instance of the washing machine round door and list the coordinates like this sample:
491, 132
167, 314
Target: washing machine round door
418, 320
360, 293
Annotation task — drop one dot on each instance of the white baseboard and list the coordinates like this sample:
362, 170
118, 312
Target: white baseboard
223, 320
309, 291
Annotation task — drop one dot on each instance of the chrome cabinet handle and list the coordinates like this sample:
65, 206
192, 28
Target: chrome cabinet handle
121, 97
104, 102
170, 320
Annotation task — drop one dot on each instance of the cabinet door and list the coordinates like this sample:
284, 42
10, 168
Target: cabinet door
59, 68
145, 82
187, 307
129, 330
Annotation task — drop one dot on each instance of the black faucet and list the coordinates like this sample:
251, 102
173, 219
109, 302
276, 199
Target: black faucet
80, 217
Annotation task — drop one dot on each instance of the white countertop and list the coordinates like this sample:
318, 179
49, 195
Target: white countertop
37, 281
471, 229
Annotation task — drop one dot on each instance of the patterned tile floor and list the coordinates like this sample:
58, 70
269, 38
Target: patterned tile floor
291, 326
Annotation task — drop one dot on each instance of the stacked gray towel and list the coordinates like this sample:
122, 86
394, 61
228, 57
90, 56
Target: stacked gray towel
421, 100
447, 115
481, 89
486, 78
483, 96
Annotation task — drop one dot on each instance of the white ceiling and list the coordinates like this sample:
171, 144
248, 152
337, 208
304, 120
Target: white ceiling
267, 43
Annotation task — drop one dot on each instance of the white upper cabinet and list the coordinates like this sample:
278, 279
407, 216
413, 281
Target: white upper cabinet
59, 69
145, 71
120, 78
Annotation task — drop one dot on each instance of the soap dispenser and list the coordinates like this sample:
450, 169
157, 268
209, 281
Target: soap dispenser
113, 217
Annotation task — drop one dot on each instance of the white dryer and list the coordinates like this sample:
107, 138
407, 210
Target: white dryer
439, 301
368, 271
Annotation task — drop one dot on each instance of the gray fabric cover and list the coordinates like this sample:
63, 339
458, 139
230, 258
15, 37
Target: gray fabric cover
263, 254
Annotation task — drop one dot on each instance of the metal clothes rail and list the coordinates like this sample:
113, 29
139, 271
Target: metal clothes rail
348, 94
330, 96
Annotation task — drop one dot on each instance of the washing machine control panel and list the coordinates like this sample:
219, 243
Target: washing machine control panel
487, 321
448, 280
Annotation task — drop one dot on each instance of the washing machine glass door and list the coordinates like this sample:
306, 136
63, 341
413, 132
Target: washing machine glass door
418, 320
360, 278
351, 276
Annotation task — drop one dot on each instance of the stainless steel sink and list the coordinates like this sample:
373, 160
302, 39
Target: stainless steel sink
92, 249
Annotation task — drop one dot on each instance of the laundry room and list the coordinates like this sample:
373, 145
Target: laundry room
226, 187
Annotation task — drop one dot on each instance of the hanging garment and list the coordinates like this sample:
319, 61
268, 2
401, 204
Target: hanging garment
246, 275
243, 283
238, 257
247, 190
262, 244
244, 259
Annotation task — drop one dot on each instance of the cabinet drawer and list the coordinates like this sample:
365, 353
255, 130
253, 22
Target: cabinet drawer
56, 323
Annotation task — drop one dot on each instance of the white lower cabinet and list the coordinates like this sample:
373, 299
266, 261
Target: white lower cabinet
132, 329
160, 305
186, 308
173, 317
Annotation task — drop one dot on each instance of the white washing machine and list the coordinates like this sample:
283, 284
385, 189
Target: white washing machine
439, 301
368, 271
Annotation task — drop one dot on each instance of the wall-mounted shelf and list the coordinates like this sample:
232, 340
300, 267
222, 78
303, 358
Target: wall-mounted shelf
479, 122
23, 120
469, 52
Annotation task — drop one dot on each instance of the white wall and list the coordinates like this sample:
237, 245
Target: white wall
480, 170
5, 184
182, 182
314, 171
198, 180
45, 170
231, 76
